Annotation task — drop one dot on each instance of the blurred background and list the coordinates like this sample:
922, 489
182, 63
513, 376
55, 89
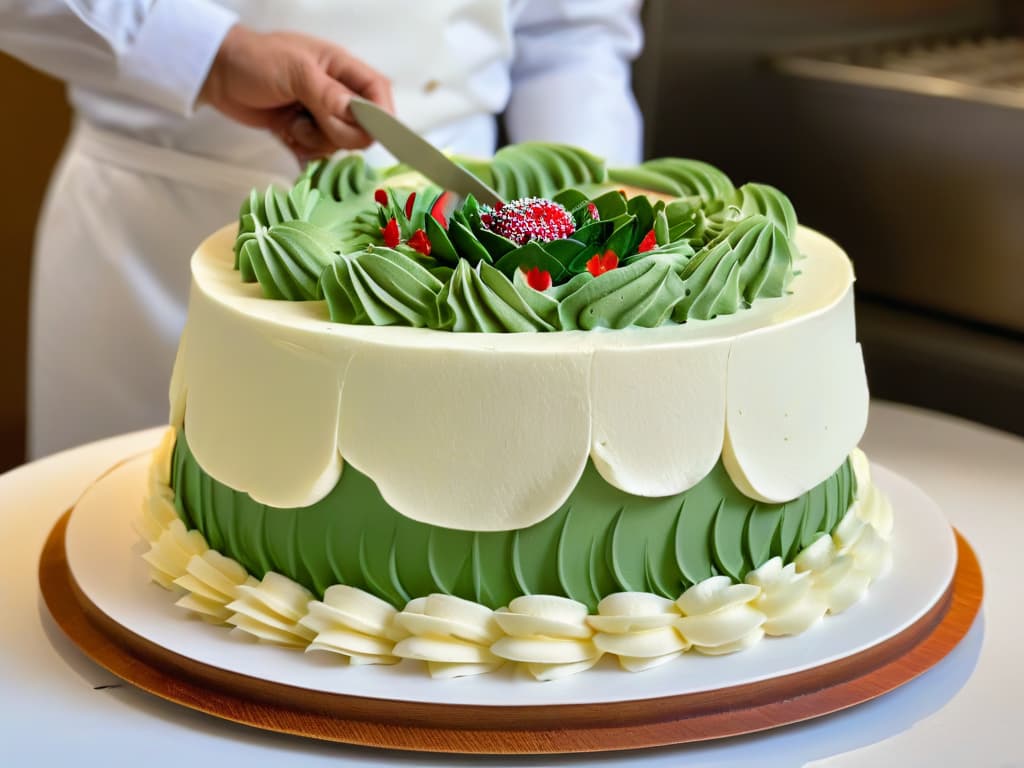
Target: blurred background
896, 126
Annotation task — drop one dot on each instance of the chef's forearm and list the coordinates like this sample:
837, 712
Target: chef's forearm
157, 52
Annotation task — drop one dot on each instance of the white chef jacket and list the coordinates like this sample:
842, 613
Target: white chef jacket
146, 175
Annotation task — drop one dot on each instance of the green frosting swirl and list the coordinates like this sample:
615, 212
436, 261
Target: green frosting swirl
600, 541
642, 293
380, 286
539, 169
482, 299
677, 176
286, 259
340, 178
753, 198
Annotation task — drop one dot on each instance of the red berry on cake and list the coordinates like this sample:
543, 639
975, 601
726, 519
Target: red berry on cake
529, 218
409, 201
391, 234
381, 197
599, 264
420, 242
592, 210
649, 243
537, 278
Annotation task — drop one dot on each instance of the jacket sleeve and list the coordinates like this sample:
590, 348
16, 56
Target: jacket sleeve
571, 79
154, 51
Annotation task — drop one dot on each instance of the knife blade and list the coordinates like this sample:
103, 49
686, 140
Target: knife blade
412, 149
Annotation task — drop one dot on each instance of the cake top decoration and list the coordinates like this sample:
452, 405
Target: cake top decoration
666, 242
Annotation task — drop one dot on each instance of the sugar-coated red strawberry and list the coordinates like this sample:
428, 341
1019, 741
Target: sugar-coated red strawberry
649, 243
391, 234
529, 218
380, 197
420, 242
592, 210
537, 278
599, 264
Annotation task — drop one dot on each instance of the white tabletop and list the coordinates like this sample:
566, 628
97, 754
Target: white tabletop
57, 707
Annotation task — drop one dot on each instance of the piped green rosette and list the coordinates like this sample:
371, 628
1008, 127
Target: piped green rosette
570, 251
600, 541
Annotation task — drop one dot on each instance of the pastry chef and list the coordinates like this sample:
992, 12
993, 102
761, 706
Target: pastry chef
181, 106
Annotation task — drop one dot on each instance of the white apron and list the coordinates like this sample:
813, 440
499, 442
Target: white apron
136, 191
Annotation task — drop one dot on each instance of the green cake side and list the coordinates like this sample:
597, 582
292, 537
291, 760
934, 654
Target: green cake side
600, 541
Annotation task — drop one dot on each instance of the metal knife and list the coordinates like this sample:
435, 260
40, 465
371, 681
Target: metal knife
411, 148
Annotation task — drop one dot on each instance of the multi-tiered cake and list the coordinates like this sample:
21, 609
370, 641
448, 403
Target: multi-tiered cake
616, 415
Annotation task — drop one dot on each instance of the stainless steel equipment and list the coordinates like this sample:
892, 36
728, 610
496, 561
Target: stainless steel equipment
898, 129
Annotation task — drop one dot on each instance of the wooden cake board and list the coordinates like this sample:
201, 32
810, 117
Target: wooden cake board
510, 729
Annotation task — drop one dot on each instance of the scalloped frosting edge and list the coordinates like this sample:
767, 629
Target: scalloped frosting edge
551, 636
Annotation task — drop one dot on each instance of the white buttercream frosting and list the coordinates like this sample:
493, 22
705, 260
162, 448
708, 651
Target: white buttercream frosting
552, 637
718, 617
787, 599
638, 628
548, 634
211, 583
271, 610
354, 624
451, 634
738, 386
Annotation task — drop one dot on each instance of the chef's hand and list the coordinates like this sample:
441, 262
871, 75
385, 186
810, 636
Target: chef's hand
296, 86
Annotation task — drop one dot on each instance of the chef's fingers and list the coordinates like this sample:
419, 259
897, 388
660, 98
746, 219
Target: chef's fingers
298, 131
327, 100
360, 78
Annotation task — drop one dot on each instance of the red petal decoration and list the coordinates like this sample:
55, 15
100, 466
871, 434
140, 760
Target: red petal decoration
538, 279
391, 234
381, 197
437, 211
420, 242
408, 204
599, 264
592, 209
649, 243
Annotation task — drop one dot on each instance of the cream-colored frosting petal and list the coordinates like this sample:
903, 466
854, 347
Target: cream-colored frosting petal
618, 625
797, 403
213, 611
170, 553
749, 640
548, 672
288, 456
354, 609
280, 595
677, 409
374, 615
448, 650
525, 409
787, 599
645, 644
722, 627
714, 594
349, 643
547, 650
